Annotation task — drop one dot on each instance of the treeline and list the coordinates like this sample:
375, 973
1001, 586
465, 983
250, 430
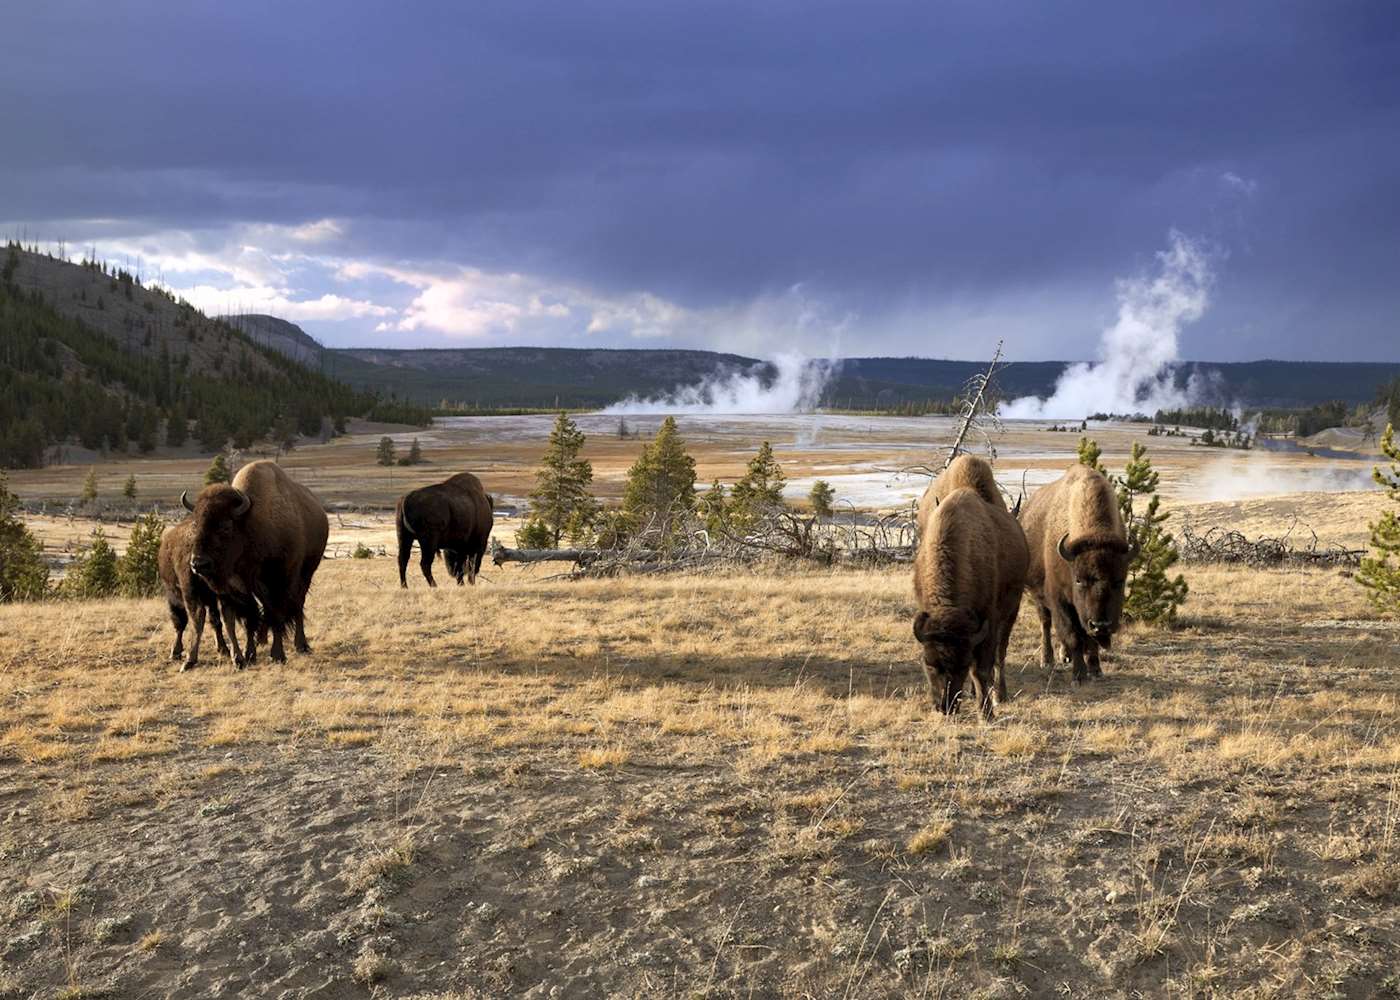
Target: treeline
61, 380
905, 408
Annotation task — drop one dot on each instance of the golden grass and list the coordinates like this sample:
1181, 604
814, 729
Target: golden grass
933, 836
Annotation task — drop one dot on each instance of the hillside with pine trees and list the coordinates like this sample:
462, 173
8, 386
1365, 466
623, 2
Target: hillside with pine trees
89, 357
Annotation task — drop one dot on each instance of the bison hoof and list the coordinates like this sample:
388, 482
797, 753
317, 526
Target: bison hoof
188, 665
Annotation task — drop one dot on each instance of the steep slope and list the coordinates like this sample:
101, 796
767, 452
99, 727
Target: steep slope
284, 337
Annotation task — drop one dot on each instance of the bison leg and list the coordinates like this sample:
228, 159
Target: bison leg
984, 677
192, 660
178, 618
425, 561
299, 640
405, 550
999, 692
216, 620
232, 615
475, 563
1047, 651
1092, 646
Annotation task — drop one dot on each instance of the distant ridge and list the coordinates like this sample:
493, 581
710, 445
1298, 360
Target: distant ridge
279, 335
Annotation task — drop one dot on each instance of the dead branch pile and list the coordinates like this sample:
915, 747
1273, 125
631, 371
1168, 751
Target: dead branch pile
1224, 545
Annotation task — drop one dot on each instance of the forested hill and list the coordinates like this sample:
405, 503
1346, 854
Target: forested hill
88, 356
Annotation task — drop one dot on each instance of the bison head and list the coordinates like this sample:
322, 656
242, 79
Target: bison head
1098, 568
949, 638
218, 534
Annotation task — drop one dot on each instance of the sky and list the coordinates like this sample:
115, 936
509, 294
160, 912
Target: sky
838, 179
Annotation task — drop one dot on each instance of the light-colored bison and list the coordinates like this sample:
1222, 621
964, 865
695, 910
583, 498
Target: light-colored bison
968, 576
964, 472
1079, 565
455, 517
263, 537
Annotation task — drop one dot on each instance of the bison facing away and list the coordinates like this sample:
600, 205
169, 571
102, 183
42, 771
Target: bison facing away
968, 576
453, 517
262, 537
1079, 565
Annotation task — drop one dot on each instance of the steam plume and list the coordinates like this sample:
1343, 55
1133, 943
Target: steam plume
796, 388
1139, 351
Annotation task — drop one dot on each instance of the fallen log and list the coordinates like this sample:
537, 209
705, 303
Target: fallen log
500, 555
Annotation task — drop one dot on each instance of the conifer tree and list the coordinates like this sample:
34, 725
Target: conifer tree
93, 573
822, 497
90, 486
1152, 596
660, 485
759, 491
714, 507
415, 453
384, 455
560, 497
138, 569
129, 490
1089, 454
1378, 573
24, 576
217, 471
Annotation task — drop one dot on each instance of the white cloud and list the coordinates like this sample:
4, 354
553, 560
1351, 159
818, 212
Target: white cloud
278, 302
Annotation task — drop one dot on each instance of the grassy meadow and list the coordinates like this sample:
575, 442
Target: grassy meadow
701, 786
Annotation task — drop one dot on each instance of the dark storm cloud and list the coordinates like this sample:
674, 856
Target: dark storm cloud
886, 154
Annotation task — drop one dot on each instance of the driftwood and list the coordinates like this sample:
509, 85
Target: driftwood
1223, 545
500, 555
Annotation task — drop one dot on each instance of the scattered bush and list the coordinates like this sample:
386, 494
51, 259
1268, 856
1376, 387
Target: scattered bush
1378, 574
24, 576
138, 570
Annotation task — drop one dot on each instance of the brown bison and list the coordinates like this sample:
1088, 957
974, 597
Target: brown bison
262, 538
453, 516
964, 472
1079, 563
186, 594
968, 575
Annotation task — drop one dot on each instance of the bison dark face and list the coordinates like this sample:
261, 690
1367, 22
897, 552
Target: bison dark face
1099, 570
949, 641
219, 538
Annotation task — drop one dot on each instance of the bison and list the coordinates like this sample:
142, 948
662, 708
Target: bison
453, 516
1079, 565
186, 594
262, 538
968, 576
965, 471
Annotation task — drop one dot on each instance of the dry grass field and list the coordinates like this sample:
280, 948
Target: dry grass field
725, 785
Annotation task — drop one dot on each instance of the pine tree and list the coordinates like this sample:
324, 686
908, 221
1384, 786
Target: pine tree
384, 455
138, 570
1378, 574
90, 486
561, 492
24, 576
822, 497
93, 573
217, 471
1089, 454
760, 491
1152, 596
660, 485
129, 490
714, 507
415, 453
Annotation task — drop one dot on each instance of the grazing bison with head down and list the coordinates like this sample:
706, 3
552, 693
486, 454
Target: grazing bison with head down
455, 517
1079, 564
262, 537
968, 576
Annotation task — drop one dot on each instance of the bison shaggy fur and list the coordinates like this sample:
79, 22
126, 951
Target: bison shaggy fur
261, 537
968, 576
453, 517
1079, 565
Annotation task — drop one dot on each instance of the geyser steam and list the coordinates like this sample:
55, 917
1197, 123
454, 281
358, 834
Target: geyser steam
1136, 373
796, 388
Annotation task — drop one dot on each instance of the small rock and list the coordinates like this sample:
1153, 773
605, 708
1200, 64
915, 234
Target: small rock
109, 928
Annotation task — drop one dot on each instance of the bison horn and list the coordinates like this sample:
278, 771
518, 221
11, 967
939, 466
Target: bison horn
244, 502
184, 499
1060, 548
